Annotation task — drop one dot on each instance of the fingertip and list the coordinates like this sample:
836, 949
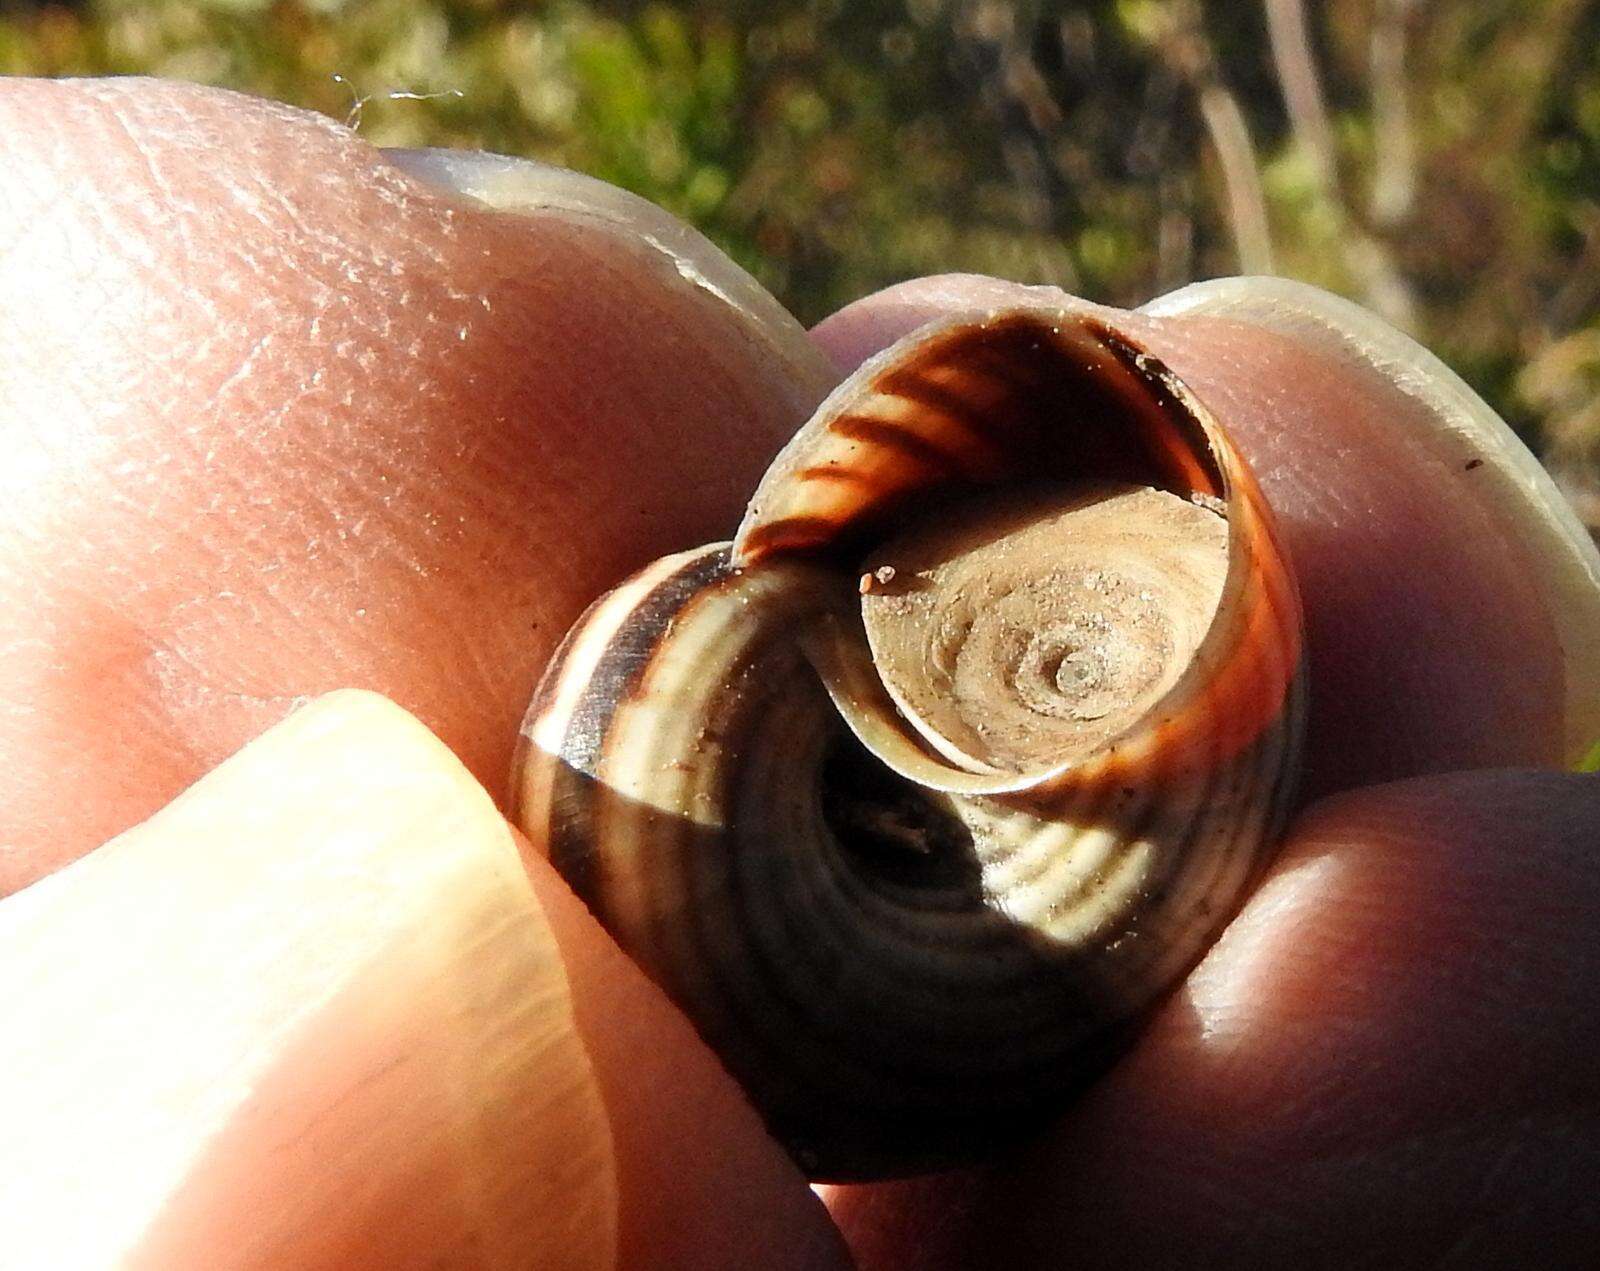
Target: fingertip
1476, 450
308, 1014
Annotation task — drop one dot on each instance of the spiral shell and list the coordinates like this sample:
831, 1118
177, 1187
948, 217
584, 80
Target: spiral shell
918, 794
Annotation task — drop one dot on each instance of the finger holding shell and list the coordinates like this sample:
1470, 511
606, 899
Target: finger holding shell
920, 792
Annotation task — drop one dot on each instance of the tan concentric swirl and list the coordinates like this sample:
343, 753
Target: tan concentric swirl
917, 795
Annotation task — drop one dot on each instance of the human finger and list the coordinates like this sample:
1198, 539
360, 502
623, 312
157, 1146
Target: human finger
281, 417
1452, 601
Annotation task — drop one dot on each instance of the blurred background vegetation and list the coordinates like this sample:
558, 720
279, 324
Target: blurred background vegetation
1437, 160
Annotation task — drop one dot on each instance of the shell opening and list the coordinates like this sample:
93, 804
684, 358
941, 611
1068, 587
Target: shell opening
1027, 629
985, 412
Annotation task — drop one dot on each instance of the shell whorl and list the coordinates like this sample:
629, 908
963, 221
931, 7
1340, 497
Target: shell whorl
911, 919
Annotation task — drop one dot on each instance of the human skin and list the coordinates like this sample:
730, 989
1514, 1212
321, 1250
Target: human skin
280, 418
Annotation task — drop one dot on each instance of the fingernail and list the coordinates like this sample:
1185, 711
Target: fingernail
1475, 446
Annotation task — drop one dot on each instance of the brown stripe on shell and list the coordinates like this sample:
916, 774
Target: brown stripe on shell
892, 438
1076, 401
960, 404
629, 643
792, 534
835, 472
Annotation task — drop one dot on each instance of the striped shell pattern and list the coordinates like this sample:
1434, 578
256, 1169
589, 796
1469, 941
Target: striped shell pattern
921, 792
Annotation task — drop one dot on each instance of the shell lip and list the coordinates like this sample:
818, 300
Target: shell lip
1187, 451
1086, 343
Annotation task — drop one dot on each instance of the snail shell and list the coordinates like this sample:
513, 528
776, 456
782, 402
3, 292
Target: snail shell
918, 794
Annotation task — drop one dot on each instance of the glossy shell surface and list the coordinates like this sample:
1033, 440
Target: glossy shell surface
914, 927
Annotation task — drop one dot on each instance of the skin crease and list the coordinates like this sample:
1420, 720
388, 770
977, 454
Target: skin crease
250, 457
